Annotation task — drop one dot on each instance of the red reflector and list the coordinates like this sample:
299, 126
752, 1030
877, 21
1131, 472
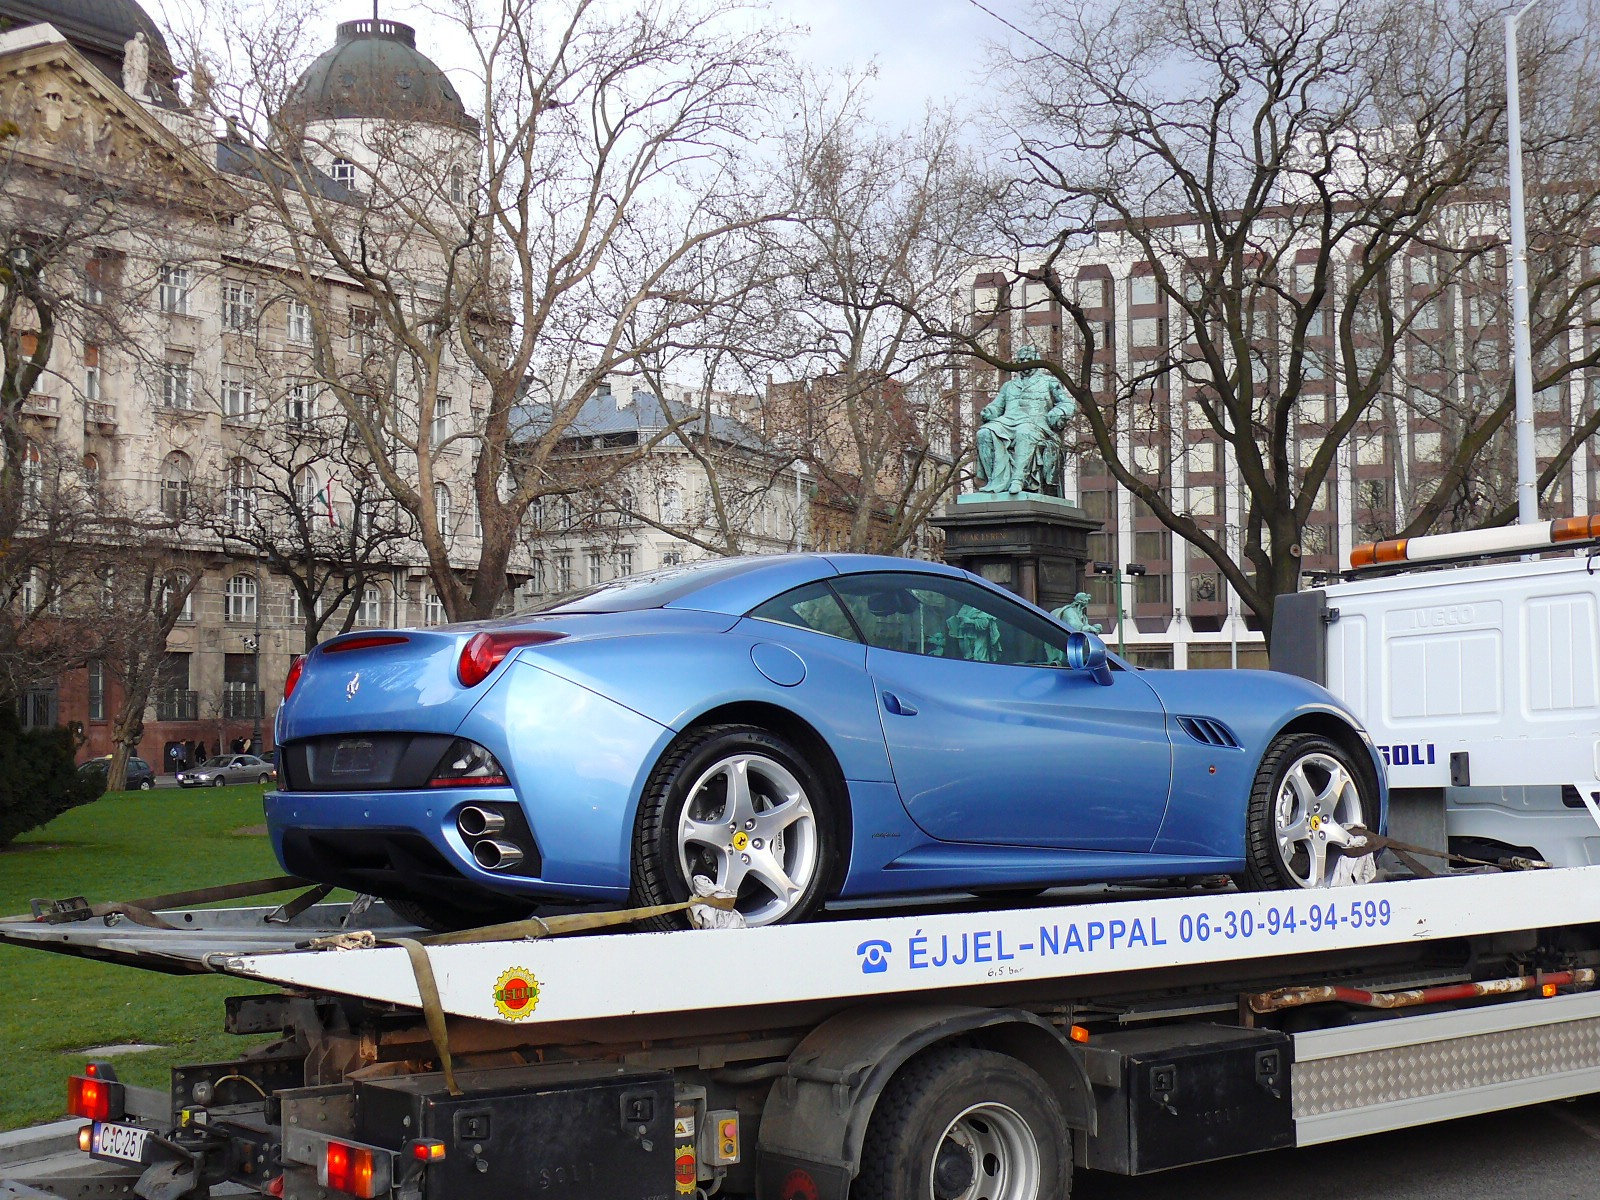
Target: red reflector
93, 1099
427, 1150
295, 667
471, 781
364, 641
485, 651
349, 1169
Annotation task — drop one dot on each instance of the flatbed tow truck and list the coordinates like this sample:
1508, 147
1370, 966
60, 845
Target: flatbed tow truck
944, 1054
976, 1051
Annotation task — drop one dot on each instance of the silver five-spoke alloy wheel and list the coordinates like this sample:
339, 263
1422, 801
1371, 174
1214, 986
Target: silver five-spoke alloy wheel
750, 827
1317, 803
987, 1153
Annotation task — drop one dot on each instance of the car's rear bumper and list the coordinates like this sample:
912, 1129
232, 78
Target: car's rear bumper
409, 843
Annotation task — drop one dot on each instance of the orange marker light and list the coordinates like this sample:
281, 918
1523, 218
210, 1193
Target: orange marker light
427, 1150
86, 1138
1548, 990
1078, 1033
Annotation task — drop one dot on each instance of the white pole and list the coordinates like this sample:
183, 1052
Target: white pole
1521, 341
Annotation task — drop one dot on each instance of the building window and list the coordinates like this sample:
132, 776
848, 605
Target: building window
441, 507
238, 306
176, 479
240, 695
238, 393
363, 330
295, 611
170, 586
1142, 290
301, 405
177, 382
441, 420
432, 608
241, 489
91, 376
32, 478
174, 289
536, 580
91, 479
311, 497
94, 283
625, 561
370, 613
563, 572
596, 568
672, 506
97, 690
458, 185
298, 322
239, 599
344, 171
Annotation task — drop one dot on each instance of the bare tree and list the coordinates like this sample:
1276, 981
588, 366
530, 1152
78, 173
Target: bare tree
303, 499
1308, 192
885, 223
579, 224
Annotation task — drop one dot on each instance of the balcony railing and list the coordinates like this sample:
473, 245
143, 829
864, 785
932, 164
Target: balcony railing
177, 704
241, 702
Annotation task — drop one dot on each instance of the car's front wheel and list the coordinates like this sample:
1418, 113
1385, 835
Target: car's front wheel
1308, 794
219, 781
740, 806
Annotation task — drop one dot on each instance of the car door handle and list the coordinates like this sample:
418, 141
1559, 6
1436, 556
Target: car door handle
898, 707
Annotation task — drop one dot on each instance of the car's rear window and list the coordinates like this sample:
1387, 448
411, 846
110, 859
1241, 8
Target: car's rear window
650, 589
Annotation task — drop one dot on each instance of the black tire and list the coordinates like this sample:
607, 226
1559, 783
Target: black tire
915, 1148
1266, 869
657, 871
444, 917
263, 779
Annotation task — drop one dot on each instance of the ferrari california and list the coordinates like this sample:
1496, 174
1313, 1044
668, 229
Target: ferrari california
797, 728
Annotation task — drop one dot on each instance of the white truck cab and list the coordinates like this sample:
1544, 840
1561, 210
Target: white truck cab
1479, 683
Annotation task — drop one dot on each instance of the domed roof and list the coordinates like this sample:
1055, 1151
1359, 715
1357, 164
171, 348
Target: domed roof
99, 29
376, 71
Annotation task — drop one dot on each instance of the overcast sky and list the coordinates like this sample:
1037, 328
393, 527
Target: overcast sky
925, 49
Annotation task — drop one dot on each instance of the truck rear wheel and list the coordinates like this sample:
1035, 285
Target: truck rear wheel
964, 1124
1307, 794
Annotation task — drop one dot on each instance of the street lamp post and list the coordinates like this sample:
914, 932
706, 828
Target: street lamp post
1521, 340
1133, 570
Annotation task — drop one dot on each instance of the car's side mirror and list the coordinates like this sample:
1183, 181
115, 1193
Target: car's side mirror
1085, 652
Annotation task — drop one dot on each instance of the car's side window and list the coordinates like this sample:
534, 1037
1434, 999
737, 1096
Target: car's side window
812, 606
947, 618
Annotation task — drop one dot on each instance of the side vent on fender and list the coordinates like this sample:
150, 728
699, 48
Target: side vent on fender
1210, 732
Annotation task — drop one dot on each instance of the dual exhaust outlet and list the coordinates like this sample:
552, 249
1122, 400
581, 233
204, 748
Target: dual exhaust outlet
478, 826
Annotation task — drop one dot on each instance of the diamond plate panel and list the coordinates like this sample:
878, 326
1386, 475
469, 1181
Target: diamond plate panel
1407, 1072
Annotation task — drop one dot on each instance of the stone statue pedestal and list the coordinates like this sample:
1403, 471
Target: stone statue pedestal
1036, 546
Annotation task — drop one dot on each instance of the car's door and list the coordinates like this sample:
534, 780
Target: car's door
991, 738
236, 770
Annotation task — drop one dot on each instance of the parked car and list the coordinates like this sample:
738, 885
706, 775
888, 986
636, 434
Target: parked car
797, 727
227, 768
139, 773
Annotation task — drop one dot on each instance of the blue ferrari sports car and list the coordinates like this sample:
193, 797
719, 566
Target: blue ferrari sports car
796, 728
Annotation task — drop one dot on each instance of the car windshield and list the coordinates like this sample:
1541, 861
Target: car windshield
649, 590
217, 762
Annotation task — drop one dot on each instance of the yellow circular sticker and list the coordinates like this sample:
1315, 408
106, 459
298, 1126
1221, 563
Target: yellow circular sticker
516, 993
741, 840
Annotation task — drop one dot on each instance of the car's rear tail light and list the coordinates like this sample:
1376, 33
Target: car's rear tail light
364, 641
485, 651
355, 1170
93, 1095
297, 665
468, 765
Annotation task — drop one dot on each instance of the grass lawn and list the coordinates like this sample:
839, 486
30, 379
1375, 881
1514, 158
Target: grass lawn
53, 1006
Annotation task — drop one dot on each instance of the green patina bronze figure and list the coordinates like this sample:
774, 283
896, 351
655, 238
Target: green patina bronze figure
1075, 615
1019, 446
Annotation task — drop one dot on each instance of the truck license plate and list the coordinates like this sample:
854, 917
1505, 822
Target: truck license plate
126, 1143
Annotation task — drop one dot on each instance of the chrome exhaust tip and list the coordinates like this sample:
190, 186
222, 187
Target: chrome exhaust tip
494, 855
479, 822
